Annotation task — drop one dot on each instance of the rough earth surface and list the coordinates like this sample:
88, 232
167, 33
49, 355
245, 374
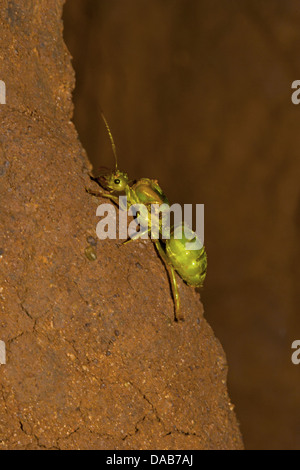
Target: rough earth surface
94, 358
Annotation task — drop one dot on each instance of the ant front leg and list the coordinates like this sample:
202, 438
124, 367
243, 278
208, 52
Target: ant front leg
113, 198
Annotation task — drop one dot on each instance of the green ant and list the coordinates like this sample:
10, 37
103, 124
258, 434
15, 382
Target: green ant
189, 264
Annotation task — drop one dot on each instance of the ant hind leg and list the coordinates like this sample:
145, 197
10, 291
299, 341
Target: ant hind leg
173, 281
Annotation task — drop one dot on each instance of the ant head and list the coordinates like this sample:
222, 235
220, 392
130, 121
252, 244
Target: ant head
114, 181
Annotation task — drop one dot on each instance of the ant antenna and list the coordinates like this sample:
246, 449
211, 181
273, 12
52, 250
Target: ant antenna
110, 137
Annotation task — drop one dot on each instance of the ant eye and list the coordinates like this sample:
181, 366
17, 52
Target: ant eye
117, 181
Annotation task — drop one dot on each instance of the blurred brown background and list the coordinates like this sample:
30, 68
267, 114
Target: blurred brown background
198, 95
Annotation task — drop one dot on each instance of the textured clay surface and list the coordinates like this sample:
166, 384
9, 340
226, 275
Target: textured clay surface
94, 359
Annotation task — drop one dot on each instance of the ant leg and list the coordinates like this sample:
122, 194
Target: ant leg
103, 194
173, 281
136, 236
94, 193
178, 314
